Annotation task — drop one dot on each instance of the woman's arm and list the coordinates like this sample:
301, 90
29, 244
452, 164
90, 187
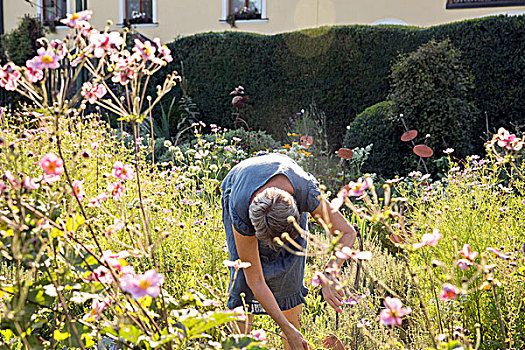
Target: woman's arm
338, 226
248, 250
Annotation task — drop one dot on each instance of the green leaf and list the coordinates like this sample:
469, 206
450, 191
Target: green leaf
59, 336
242, 342
74, 222
129, 333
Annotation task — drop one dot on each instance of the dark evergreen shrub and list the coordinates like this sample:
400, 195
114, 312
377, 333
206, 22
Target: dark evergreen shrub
389, 155
432, 88
20, 45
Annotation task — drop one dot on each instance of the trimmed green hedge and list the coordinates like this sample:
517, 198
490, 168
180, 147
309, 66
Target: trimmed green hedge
345, 69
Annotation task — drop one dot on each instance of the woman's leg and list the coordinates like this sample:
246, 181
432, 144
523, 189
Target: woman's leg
294, 317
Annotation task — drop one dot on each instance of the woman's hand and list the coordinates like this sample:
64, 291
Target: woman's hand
333, 293
296, 340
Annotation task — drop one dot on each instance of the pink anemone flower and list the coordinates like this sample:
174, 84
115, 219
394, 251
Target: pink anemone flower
78, 189
51, 164
358, 188
145, 49
9, 76
448, 292
317, 279
430, 239
239, 313
123, 171
101, 274
141, 285
85, 28
72, 18
498, 253
97, 307
347, 252
116, 190
338, 201
393, 312
46, 59
34, 75
31, 183
12, 179
93, 92
115, 227
117, 261
164, 51
464, 264
259, 334
95, 202
59, 47
467, 253
104, 43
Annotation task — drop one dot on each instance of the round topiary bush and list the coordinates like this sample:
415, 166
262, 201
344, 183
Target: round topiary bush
389, 156
432, 88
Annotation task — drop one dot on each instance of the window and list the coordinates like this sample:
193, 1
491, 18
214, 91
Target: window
51, 11
458, 4
138, 11
243, 10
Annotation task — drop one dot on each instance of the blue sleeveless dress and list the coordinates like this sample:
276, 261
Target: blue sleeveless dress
283, 271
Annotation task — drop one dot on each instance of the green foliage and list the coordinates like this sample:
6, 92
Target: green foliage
432, 88
346, 69
44, 309
250, 142
389, 156
20, 45
472, 206
3, 54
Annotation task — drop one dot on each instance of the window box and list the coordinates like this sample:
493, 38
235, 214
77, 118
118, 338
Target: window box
243, 11
247, 16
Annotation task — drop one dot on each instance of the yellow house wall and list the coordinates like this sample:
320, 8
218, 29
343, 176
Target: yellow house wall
186, 17
13, 10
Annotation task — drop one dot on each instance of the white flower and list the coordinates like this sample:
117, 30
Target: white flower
167, 143
201, 154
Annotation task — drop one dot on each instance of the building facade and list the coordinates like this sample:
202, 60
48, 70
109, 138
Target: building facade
168, 19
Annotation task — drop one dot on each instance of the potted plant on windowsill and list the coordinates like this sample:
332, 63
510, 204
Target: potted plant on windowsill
247, 13
244, 13
52, 23
139, 18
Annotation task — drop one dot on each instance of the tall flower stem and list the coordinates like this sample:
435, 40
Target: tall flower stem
146, 223
433, 290
421, 303
500, 318
66, 172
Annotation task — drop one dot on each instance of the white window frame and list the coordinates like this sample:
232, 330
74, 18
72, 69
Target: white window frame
122, 14
40, 11
226, 5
